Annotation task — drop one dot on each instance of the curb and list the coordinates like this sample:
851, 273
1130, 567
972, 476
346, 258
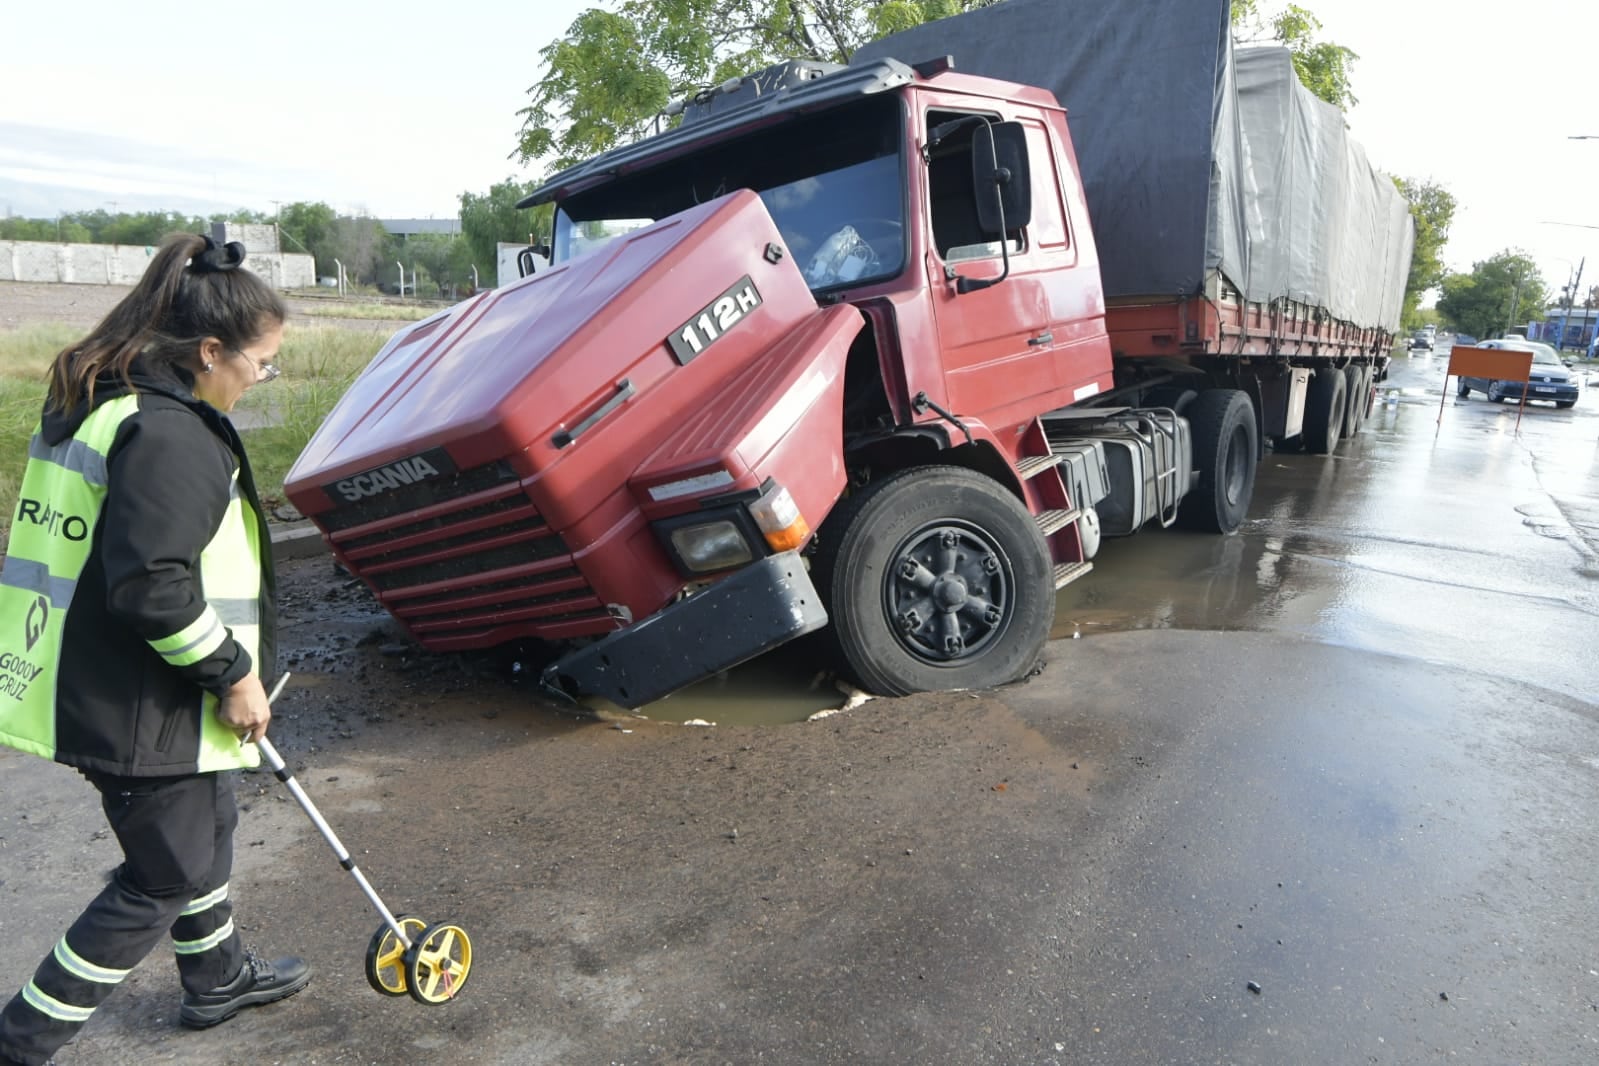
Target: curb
300, 540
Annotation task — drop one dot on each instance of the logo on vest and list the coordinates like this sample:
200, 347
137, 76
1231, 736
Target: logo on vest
56, 523
38, 618
16, 674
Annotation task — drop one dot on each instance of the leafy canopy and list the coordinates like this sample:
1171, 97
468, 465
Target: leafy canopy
492, 217
1324, 67
1501, 293
1432, 207
613, 72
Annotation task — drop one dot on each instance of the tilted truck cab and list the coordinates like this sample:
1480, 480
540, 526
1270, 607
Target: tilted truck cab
834, 353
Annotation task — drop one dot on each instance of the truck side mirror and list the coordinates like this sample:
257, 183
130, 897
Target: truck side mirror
1001, 178
526, 264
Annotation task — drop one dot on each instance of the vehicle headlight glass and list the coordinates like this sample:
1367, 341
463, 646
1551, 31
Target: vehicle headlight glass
711, 546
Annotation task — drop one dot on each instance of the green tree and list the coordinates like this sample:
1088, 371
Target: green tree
443, 258
1322, 66
362, 245
493, 217
1432, 207
309, 228
27, 229
1502, 292
610, 76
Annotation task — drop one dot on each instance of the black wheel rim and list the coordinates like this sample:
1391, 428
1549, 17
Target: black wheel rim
948, 592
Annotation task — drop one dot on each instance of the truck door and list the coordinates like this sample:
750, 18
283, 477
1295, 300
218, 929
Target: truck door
994, 341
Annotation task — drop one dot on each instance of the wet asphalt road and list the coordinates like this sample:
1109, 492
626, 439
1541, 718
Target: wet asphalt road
1348, 755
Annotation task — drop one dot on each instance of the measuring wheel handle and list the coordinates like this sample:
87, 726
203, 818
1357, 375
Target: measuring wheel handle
438, 963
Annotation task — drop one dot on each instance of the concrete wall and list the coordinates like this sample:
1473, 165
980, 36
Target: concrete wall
258, 239
124, 264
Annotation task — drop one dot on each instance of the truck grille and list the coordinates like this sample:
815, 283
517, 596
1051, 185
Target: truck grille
456, 558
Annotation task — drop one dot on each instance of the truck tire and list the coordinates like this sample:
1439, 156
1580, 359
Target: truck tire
1226, 449
934, 578
1365, 398
1324, 411
1354, 406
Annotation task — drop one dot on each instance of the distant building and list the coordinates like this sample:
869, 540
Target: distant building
1579, 325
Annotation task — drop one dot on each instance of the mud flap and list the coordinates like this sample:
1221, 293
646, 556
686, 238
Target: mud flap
765, 604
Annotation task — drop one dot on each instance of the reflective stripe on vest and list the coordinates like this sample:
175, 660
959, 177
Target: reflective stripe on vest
63, 491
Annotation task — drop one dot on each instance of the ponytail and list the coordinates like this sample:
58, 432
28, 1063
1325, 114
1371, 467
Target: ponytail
191, 290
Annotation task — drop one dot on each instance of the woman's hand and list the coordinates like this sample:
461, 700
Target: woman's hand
244, 709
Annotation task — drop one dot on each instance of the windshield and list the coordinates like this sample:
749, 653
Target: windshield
834, 184
1542, 353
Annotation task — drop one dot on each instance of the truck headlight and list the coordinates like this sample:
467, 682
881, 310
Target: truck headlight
710, 546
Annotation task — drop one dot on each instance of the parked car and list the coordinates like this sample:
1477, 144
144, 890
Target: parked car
1549, 379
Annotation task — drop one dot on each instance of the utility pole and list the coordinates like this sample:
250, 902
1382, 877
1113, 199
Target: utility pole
1571, 296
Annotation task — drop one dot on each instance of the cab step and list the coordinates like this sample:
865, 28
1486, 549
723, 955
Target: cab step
1056, 520
1066, 573
1034, 465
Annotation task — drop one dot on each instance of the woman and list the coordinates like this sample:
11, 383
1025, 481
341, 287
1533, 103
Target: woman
136, 608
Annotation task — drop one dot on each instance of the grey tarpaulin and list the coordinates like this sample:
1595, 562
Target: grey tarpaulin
1194, 161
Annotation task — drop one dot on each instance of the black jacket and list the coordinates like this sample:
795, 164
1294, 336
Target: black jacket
121, 708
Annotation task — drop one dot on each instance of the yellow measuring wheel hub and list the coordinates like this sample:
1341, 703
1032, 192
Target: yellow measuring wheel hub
438, 963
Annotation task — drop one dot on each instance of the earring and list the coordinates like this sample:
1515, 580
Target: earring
208, 367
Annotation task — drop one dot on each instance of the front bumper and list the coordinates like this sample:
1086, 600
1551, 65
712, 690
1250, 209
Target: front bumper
769, 602
1536, 390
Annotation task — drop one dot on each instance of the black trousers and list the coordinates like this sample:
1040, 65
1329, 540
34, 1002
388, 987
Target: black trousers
177, 845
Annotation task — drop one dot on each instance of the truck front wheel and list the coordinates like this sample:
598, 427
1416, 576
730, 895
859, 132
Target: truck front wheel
1225, 452
934, 578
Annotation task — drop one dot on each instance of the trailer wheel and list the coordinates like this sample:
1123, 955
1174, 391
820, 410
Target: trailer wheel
1351, 401
934, 578
1225, 453
1324, 411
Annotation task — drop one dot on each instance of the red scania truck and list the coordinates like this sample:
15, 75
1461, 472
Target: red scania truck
881, 349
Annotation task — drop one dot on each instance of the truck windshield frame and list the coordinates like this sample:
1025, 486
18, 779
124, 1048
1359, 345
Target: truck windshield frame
834, 182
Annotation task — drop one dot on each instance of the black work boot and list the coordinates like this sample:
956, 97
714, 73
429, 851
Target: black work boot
258, 982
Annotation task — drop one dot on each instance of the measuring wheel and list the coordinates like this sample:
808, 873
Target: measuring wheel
438, 963
385, 955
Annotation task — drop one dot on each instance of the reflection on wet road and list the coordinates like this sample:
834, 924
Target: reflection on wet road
1463, 543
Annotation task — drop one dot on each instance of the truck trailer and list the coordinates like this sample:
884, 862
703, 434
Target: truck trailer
882, 351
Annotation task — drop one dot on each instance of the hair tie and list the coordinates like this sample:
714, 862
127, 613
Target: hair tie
216, 260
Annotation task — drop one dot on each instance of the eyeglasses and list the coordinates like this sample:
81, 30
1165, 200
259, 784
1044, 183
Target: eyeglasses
264, 372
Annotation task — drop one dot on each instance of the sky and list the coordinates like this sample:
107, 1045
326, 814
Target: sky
395, 109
